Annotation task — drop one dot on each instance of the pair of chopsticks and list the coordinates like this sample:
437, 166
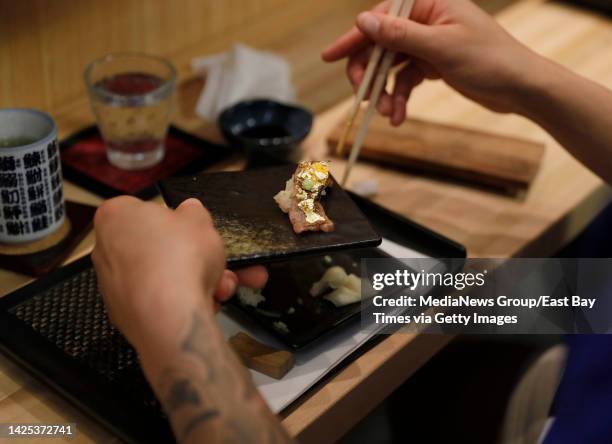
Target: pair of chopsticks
375, 78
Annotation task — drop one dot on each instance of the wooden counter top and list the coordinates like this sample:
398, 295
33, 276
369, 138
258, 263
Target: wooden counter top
563, 199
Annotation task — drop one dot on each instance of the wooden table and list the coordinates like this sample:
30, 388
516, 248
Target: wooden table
562, 200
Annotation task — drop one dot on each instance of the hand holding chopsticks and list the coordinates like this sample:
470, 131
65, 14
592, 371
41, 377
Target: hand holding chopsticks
374, 80
451, 40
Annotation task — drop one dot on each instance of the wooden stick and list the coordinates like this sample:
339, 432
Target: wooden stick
379, 83
375, 57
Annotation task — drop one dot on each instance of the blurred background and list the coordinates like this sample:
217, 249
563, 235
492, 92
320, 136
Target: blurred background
45, 46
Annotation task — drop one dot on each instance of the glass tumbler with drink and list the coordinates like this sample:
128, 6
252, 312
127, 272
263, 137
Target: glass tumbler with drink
131, 97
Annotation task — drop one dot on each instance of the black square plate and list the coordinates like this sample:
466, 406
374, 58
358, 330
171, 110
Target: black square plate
252, 226
288, 298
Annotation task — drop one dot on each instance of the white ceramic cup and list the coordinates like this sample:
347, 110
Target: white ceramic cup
31, 194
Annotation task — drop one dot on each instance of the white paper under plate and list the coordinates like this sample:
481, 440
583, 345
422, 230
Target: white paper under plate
314, 362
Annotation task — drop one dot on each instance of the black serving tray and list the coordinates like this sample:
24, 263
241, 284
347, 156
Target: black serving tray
252, 226
57, 329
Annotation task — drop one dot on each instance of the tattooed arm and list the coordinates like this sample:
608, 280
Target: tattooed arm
206, 391
159, 272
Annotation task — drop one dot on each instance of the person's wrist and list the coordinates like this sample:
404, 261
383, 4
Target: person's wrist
160, 328
157, 351
533, 86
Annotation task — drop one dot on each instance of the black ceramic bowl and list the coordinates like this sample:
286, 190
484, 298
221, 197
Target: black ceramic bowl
269, 132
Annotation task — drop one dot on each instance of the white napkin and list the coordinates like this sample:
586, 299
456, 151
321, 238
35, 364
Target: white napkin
240, 74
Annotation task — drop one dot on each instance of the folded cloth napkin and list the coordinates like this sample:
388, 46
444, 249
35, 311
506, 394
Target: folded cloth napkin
240, 74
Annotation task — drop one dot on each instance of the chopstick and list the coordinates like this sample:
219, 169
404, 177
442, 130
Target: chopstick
402, 9
375, 57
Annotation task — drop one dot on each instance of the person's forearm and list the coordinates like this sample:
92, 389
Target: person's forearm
207, 393
574, 110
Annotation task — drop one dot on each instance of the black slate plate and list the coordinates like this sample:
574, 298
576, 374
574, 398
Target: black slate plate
254, 229
288, 287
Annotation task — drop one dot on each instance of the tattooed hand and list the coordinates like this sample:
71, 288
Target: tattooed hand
159, 272
154, 265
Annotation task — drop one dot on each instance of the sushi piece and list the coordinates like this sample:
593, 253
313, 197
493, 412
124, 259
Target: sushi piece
301, 198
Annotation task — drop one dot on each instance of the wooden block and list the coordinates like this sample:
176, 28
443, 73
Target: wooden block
260, 357
472, 155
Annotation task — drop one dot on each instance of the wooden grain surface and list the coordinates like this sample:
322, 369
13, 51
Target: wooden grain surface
507, 163
45, 46
562, 200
